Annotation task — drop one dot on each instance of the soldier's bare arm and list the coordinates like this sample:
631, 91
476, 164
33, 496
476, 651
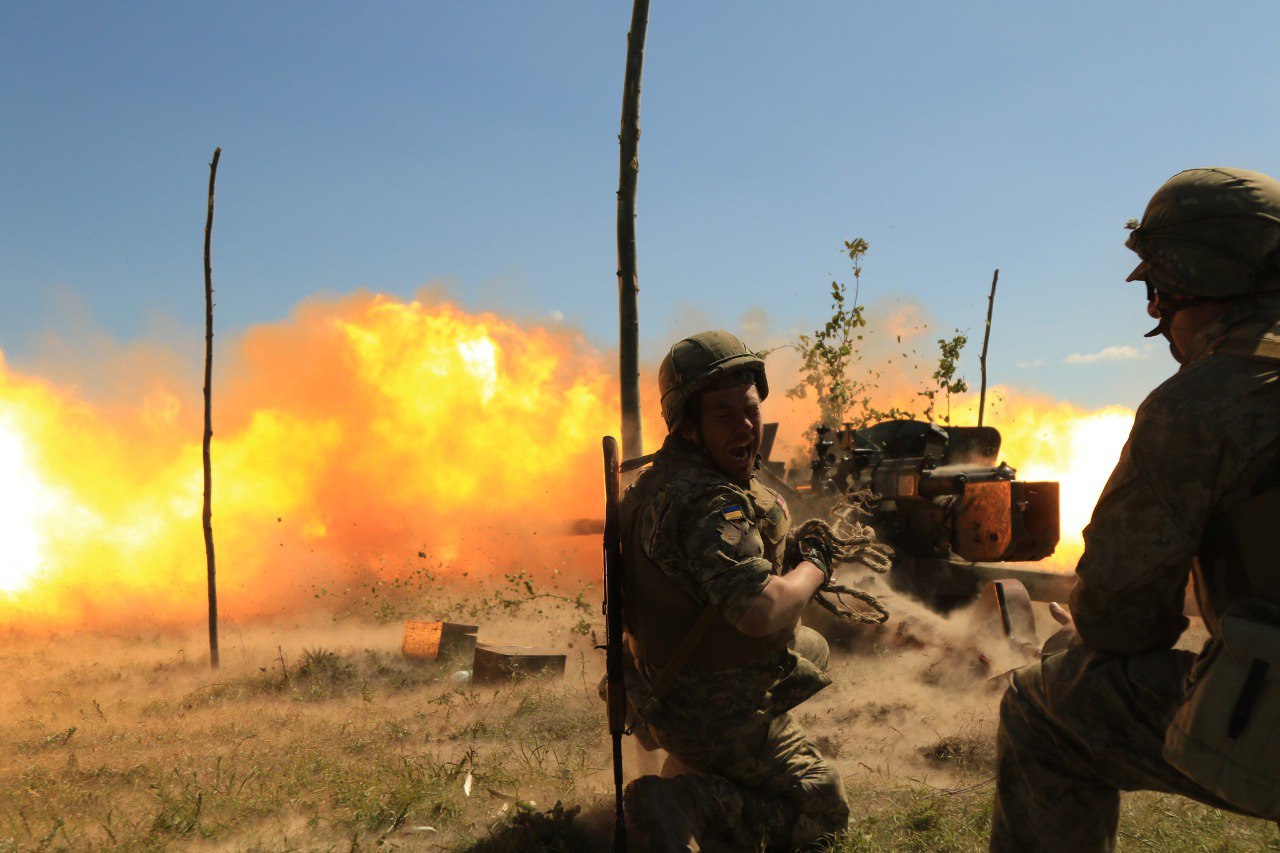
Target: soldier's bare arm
779, 604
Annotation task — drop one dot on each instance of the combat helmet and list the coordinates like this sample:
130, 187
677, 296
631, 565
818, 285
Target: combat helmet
1212, 233
697, 363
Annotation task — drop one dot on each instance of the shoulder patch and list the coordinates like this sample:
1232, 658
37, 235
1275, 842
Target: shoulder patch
733, 513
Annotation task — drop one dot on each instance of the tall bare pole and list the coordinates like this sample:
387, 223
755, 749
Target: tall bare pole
207, 515
628, 281
986, 338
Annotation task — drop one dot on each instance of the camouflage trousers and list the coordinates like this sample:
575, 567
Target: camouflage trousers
1076, 729
764, 782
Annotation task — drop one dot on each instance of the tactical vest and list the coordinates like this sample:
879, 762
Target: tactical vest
661, 618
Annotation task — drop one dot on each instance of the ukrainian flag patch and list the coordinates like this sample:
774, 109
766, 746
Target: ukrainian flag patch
733, 513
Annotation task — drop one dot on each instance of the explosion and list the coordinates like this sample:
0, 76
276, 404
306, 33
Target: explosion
348, 439
351, 440
1057, 441
22, 497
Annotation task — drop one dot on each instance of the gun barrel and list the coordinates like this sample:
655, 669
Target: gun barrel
1041, 584
936, 487
582, 527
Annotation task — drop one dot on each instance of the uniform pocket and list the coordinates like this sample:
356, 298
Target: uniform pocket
1226, 734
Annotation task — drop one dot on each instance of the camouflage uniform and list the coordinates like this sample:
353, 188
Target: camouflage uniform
1084, 724
755, 776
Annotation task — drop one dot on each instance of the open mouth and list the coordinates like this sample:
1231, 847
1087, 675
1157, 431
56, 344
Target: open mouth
740, 453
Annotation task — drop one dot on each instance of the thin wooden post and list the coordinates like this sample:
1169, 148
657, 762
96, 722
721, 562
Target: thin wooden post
615, 689
986, 338
628, 280
207, 514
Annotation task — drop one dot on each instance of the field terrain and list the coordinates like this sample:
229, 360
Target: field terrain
320, 735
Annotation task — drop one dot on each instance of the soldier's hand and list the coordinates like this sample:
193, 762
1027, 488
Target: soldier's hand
811, 549
1066, 635
814, 550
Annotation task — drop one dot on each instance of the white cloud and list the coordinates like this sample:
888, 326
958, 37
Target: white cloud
1039, 362
558, 316
1120, 353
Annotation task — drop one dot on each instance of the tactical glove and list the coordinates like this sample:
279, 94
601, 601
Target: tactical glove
814, 541
814, 550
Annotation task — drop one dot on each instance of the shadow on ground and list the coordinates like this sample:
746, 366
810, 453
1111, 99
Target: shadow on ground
555, 830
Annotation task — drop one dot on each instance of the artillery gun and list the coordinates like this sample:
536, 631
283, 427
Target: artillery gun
961, 524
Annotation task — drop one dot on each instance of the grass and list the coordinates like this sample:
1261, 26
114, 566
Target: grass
326, 738
921, 819
326, 747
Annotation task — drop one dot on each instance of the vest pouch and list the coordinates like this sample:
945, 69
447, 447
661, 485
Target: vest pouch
1226, 734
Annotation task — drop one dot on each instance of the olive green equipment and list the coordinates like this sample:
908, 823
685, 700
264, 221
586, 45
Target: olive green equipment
1224, 734
1212, 233
1208, 235
699, 362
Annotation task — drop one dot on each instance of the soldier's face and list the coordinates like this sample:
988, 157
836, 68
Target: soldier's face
1183, 326
731, 430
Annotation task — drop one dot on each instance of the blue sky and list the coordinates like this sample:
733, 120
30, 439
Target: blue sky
473, 145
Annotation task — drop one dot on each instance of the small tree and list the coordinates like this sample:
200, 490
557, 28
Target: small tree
945, 379
828, 354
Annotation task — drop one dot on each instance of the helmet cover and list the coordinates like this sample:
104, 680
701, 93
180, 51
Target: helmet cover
1211, 232
700, 361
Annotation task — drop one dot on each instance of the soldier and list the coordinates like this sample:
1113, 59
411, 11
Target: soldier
1119, 709
713, 601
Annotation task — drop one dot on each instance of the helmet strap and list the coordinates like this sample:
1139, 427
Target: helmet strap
1167, 307
690, 429
1162, 328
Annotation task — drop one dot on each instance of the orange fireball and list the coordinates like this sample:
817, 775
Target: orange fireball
351, 437
1058, 441
348, 439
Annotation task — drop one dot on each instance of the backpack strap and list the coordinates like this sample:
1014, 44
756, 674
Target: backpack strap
680, 657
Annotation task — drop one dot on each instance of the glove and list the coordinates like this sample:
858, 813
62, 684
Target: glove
814, 550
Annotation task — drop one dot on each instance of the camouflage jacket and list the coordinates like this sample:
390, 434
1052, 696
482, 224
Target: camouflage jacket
719, 543
1202, 442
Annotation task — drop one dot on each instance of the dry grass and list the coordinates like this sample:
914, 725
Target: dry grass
323, 737
341, 747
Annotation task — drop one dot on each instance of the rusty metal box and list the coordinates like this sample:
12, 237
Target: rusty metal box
439, 641
497, 663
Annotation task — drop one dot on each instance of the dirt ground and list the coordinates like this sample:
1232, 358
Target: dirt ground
320, 735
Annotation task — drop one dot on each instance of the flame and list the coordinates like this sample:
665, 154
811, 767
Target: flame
1047, 440
347, 439
351, 437
23, 502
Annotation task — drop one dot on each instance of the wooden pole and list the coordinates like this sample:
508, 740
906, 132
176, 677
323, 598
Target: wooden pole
986, 338
207, 514
628, 280
615, 689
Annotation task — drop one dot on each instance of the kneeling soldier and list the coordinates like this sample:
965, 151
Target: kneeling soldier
712, 618
1196, 493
